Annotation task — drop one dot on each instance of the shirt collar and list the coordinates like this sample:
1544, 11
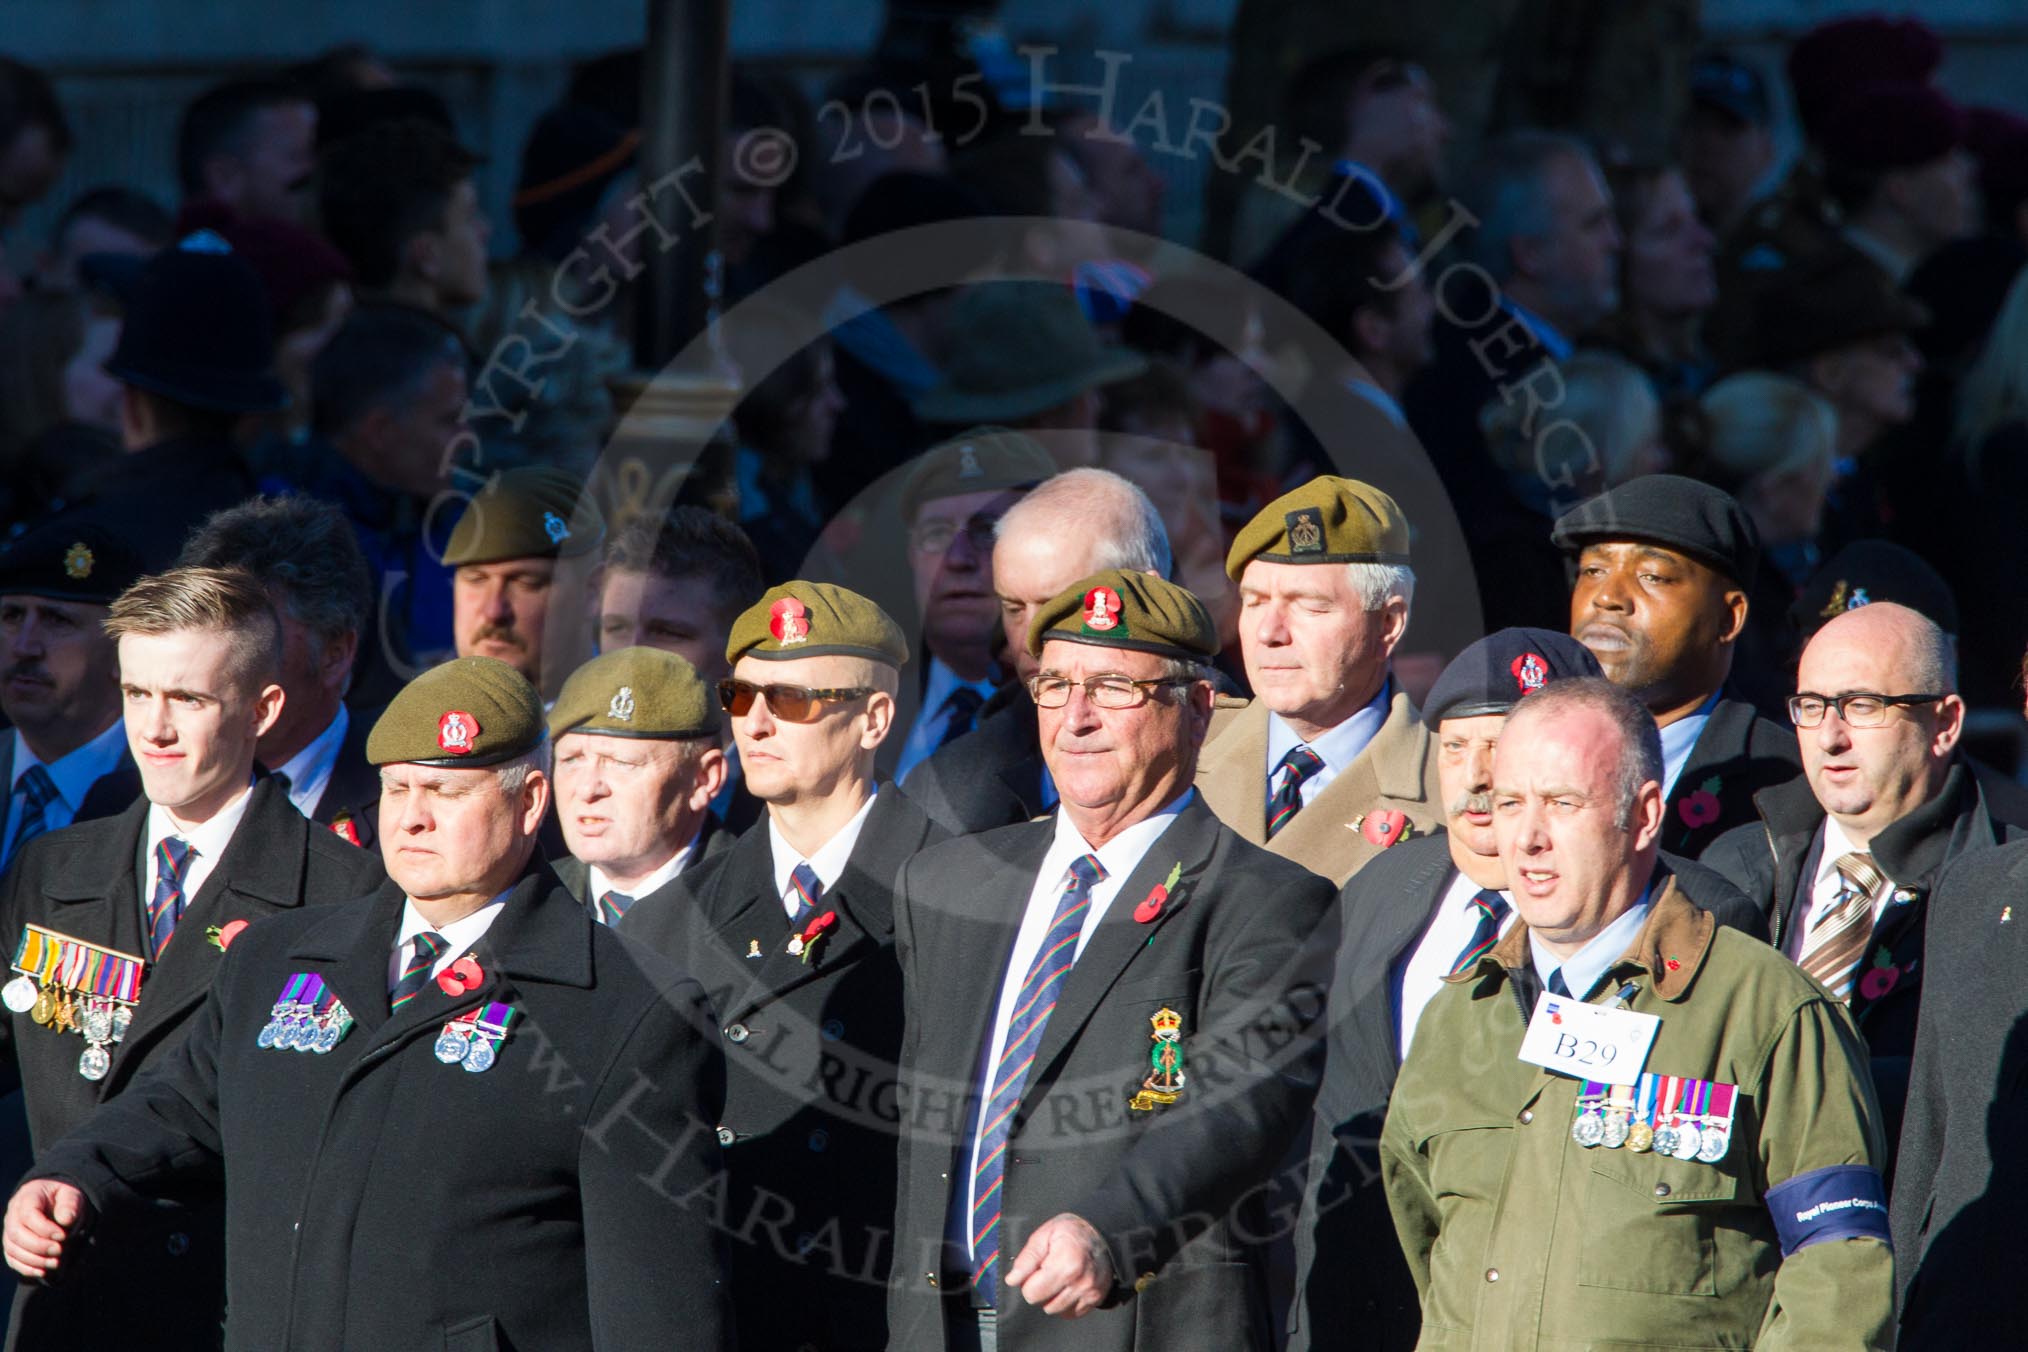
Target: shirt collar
309, 770
1546, 333
1338, 747
1389, 203
210, 838
1119, 855
459, 935
1582, 969
829, 859
600, 884
942, 681
1836, 846
1679, 737
75, 772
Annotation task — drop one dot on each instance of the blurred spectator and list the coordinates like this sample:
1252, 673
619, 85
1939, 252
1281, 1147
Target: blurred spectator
677, 582
249, 146
1730, 161
344, 113
1360, 288
399, 201
764, 167
59, 410
877, 136
34, 138
1606, 429
1983, 549
1023, 355
1667, 280
348, 67
1896, 163
108, 220
784, 423
1126, 188
1035, 178
1963, 283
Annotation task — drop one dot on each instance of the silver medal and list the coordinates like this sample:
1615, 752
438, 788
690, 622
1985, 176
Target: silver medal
1615, 1131
98, 1024
1688, 1142
1712, 1147
94, 1064
269, 1030
1588, 1130
482, 1056
452, 1047
1665, 1141
123, 1019
19, 994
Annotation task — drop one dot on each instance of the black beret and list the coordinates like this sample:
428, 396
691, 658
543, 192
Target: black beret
1492, 675
1669, 510
1866, 571
69, 558
1893, 126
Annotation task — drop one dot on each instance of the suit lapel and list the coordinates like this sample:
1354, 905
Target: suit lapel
104, 907
1232, 773
575, 875
112, 792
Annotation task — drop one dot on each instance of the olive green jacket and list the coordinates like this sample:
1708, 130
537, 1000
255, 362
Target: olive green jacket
1518, 1237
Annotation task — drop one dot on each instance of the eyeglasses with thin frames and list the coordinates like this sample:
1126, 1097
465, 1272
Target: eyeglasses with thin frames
1105, 692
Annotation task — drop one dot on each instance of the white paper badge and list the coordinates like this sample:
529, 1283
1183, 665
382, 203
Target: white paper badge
1588, 1042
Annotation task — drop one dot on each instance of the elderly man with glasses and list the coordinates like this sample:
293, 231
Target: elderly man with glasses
1113, 1021
792, 933
1844, 859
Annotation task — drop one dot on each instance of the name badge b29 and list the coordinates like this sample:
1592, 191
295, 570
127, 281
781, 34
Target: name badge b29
1588, 1042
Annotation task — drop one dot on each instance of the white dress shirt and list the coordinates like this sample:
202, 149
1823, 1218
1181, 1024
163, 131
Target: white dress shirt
1338, 748
1679, 739
309, 770
1422, 976
458, 936
827, 862
1119, 857
1825, 887
931, 720
599, 884
73, 774
207, 843
1582, 969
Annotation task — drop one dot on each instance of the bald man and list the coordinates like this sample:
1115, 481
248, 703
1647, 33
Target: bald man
1844, 858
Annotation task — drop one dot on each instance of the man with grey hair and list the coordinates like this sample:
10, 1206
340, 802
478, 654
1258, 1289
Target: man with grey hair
1843, 859
1330, 763
306, 553
1683, 1118
1073, 524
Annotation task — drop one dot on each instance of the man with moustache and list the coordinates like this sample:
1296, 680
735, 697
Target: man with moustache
157, 892
483, 1073
66, 759
1735, 1182
951, 504
505, 552
1424, 909
637, 765
1664, 566
792, 932
1080, 522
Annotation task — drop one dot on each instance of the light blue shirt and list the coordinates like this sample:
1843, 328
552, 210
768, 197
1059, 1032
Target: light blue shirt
1679, 739
1582, 969
309, 770
1338, 748
1380, 399
930, 721
73, 774
1546, 333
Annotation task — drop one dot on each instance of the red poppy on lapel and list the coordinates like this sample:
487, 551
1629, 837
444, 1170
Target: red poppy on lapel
1386, 826
1158, 897
221, 936
804, 944
461, 976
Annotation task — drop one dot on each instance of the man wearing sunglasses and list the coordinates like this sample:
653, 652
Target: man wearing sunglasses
792, 933
1113, 1022
1844, 859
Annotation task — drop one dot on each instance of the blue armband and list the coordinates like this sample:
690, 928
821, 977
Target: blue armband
1843, 1201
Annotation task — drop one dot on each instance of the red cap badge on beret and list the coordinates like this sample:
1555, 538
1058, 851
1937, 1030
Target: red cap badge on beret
455, 731
1101, 610
1531, 672
789, 621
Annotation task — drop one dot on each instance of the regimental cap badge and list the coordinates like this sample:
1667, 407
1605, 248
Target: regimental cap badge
622, 707
1859, 598
555, 528
789, 621
1102, 612
1531, 672
78, 561
1306, 531
968, 463
1836, 605
455, 731
1167, 1021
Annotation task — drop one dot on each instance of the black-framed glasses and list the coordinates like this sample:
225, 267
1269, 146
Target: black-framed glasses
790, 703
1106, 692
1861, 710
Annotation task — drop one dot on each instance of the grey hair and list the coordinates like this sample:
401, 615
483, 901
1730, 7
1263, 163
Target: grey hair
1508, 193
1115, 518
1933, 657
513, 774
1375, 584
1640, 760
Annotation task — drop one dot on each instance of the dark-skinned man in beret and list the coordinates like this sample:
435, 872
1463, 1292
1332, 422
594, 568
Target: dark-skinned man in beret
1664, 565
110, 925
453, 1112
506, 552
1330, 764
637, 765
1111, 1041
792, 933
1410, 918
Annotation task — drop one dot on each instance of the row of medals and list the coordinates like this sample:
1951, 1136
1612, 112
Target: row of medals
1684, 1139
101, 1020
297, 1027
464, 1043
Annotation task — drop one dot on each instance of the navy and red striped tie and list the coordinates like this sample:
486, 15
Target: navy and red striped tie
1492, 909
1294, 768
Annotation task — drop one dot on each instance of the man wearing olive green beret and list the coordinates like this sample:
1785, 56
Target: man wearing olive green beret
422, 1070
1113, 1022
637, 764
1330, 763
505, 553
792, 932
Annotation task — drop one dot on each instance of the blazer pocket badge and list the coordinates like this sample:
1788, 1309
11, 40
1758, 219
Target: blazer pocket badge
1164, 1081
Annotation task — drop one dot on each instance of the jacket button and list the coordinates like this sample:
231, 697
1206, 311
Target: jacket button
820, 1139
1142, 1282
178, 1244
726, 1136
736, 1034
930, 1277
1527, 1116
833, 1029
1492, 1274
1661, 1190
805, 1243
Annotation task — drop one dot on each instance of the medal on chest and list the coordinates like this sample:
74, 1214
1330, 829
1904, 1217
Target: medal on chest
472, 1040
68, 985
308, 1017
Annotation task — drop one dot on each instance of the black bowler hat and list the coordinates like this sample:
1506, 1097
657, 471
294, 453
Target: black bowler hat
197, 329
1677, 513
74, 557
1494, 674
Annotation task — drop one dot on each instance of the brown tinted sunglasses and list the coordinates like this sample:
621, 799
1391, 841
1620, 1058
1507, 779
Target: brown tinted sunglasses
790, 703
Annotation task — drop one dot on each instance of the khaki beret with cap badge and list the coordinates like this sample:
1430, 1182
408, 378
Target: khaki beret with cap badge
1327, 520
815, 619
636, 692
527, 513
1119, 608
983, 460
468, 713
